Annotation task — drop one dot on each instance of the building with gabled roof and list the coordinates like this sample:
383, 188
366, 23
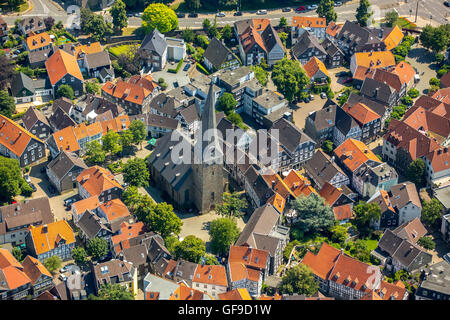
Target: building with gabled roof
14, 282
112, 210
353, 38
251, 47
63, 170
35, 122
218, 57
368, 120
183, 292
100, 182
31, 24
62, 68
393, 38
372, 60
341, 276
236, 294
17, 217
306, 46
211, 279
81, 206
115, 271
55, 238
37, 42
316, 70
272, 43
436, 282
353, 154
41, 279
315, 25
18, 143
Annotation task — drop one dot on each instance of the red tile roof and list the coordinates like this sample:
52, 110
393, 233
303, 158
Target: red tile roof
34, 269
322, 263
333, 29
252, 257
47, 240
135, 90
97, 179
61, 63
249, 38
353, 153
391, 291
312, 22
12, 271
439, 159
14, 137
361, 113
114, 209
313, 66
330, 193
215, 275
343, 212
236, 294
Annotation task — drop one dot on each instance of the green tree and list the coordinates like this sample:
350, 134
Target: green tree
288, 249
223, 233
119, 15
363, 13
7, 104
227, 33
431, 212
416, 172
159, 16
290, 78
206, 24
163, 220
139, 131
188, 35
326, 10
17, 253
210, 260
95, 153
202, 41
339, 234
427, 243
171, 242
126, 139
95, 24
300, 280
413, 93
283, 37
365, 214
66, 91
11, 181
131, 197
236, 119
283, 22
114, 291
232, 205
260, 74
327, 147
191, 249
97, 248
79, 255
226, 103
92, 87
111, 142
434, 82
135, 172
53, 263
314, 214
8, 69
391, 18
435, 39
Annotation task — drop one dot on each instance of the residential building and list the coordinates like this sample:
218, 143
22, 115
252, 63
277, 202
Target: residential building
25, 90
437, 168
335, 57
183, 292
133, 95
81, 206
41, 279
95, 62
380, 92
158, 288
345, 128
60, 117
251, 47
182, 270
31, 24
368, 120
37, 42
18, 143
272, 43
89, 107
236, 294
268, 107
62, 68
112, 210
37, 58
316, 71
91, 226
3, 30
264, 231
435, 285
314, 25
371, 177
100, 182
353, 38
368, 61
218, 57
392, 37
340, 275
52, 239
322, 169
307, 46
211, 279
36, 123
381, 109
63, 170
115, 272
17, 217
156, 125
445, 227
15, 284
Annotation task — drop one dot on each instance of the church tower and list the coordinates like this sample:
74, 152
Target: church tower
208, 171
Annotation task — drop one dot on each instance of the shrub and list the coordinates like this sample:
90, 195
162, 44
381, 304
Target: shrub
407, 100
202, 68
177, 68
413, 93
441, 72
434, 82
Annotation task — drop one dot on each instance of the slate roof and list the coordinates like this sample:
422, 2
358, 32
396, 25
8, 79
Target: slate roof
90, 224
290, 136
164, 104
98, 59
154, 41
331, 48
404, 193
344, 122
306, 41
32, 116
63, 163
270, 38
190, 114
358, 35
21, 81
216, 53
39, 55
376, 90
376, 106
60, 120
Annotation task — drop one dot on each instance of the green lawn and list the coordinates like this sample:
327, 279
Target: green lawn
405, 23
117, 51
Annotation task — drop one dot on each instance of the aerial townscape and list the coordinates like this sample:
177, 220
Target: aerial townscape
219, 150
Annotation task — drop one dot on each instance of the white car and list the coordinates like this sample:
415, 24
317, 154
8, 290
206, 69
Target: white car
63, 277
338, 4
27, 178
220, 14
261, 12
323, 95
311, 7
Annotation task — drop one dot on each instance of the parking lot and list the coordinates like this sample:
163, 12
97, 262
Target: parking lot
302, 110
173, 79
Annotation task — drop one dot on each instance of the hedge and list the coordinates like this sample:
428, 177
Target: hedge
202, 68
177, 68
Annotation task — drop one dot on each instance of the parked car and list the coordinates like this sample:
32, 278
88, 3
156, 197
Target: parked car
447, 3
186, 67
63, 277
181, 15
63, 269
311, 97
306, 99
311, 7
338, 4
301, 8
323, 95
27, 178
237, 13
261, 12
286, 9
347, 80
68, 202
447, 257
220, 14
33, 187
193, 15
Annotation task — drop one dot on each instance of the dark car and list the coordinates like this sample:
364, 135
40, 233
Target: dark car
181, 15
33, 187
347, 80
447, 3
186, 67
301, 8
237, 13
286, 9
193, 15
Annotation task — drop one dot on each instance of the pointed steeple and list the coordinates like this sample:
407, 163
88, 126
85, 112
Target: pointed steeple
209, 141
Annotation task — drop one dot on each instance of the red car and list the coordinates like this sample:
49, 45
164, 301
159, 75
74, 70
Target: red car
347, 80
301, 8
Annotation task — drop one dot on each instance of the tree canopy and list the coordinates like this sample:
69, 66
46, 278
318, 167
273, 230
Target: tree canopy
111, 142
119, 15
299, 280
66, 91
139, 131
79, 255
314, 214
109, 291
226, 103
159, 16
12, 182
232, 205
223, 233
391, 18
135, 172
7, 104
431, 212
416, 172
53, 263
158, 217
366, 213
95, 153
290, 78
435, 38
191, 249
97, 248
363, 13
326, 10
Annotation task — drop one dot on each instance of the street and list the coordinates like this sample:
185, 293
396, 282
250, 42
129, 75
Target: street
431, 11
